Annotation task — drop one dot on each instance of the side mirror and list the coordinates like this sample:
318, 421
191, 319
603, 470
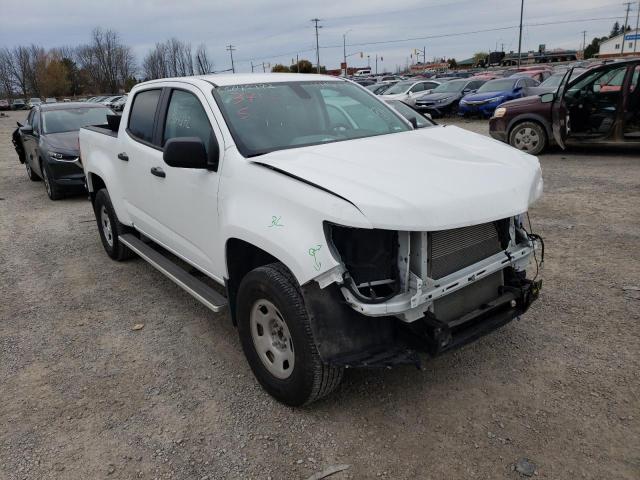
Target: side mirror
517, 89
547, 97
414, 122
26, 130
190, 152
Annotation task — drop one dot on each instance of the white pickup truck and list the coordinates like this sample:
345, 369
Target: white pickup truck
336, 233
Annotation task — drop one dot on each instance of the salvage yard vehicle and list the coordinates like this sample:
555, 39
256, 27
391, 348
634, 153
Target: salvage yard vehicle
487, 98
47, 144
343, 236
445, 98
407, 91
18, 104
599, 107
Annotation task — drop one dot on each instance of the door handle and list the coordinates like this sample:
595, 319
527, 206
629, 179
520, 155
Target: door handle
158, 172
123, 156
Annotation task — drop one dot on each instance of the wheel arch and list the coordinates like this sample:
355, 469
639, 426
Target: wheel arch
240, 258
534, 118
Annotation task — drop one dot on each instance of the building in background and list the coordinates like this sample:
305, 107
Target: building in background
613, 47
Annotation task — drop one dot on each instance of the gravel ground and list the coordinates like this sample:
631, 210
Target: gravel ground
83, 395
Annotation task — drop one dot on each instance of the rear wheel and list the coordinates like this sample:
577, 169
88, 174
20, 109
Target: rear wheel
276, 338
110, 228
529, 137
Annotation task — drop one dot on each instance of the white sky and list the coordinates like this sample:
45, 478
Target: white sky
274, 30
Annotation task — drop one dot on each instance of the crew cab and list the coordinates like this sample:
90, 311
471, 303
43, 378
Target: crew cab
335, 233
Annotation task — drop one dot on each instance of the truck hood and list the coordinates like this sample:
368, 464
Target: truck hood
429, 179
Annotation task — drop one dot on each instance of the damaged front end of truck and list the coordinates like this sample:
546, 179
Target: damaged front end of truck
398, 293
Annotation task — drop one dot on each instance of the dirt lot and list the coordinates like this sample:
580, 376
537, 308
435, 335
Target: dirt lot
85, 396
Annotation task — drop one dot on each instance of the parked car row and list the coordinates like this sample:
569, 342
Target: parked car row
115, 102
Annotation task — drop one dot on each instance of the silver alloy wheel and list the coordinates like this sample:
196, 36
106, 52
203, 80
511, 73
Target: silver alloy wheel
105, 223
526, 139
272, 339
45, 177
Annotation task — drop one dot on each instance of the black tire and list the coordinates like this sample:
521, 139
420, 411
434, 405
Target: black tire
310, 378
112, 245
51, 187
33, 176
529, 137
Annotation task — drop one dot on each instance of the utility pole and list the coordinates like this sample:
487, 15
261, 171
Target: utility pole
344, 51
376, 63
230, 49
251, 66
424, 54
369, 61
520, 36
584, 40
635, 37
316, 20
263, 69
624, 27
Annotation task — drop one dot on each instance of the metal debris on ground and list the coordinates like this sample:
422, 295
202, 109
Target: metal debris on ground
327, 472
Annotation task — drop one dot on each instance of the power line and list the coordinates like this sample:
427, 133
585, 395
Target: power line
230, 49
430, 37
316, 20
624, 27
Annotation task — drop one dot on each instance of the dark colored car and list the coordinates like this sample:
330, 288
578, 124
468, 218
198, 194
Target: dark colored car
417, 119
492, 94
48, 144
445, 97
601, 106
18, 104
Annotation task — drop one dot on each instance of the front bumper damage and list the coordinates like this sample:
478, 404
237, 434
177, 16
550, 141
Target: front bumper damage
426, 315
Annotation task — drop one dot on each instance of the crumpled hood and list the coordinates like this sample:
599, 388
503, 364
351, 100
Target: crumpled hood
66, 142
429, 179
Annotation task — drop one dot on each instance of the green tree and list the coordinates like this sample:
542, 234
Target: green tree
593, 47
303, 66
452, 63
279, 68
615, 30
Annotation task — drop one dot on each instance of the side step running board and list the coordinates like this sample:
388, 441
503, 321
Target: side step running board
196, 288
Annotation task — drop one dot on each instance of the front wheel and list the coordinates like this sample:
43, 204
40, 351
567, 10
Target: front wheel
30, 173
529, 137
53, 190
276, 337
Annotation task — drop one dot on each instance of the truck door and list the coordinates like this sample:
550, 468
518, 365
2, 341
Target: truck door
186, 206
559, 112
138, 152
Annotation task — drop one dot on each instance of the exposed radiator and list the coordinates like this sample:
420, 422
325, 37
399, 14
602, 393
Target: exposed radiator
452, 250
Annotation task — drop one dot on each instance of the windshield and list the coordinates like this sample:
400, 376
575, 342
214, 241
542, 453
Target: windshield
399, 88
57, 121
274, 116
407, 112
498, 85
450, 87
553, 80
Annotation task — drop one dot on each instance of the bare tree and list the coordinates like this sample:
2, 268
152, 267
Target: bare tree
172, 58
203, 64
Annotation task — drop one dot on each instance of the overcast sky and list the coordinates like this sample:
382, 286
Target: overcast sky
273, 31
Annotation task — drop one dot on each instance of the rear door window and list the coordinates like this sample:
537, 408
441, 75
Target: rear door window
142, 115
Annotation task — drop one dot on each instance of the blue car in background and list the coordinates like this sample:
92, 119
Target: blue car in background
487, 98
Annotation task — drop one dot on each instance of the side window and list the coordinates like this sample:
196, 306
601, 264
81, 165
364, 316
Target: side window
417, 88
186, 118
143, 113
